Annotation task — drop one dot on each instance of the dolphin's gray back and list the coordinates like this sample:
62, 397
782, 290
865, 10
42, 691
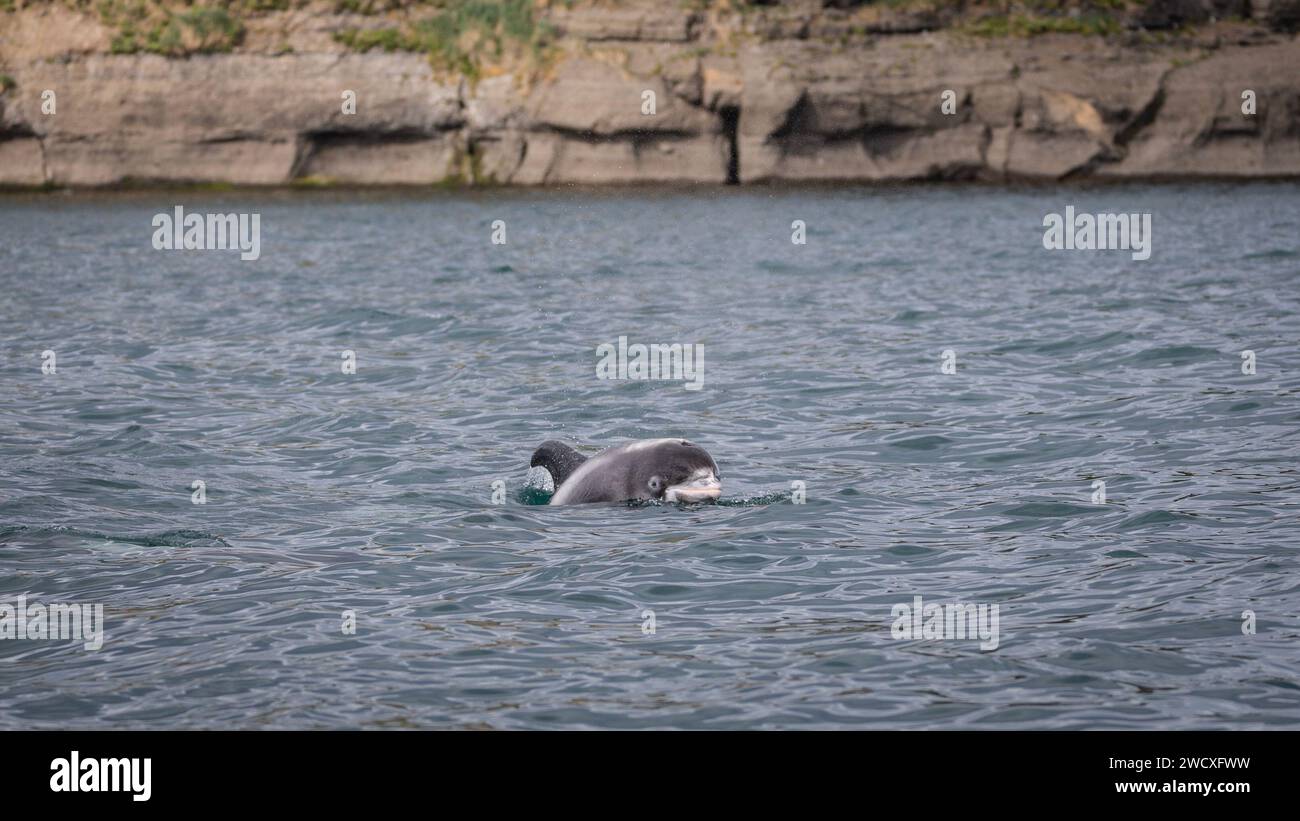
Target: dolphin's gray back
607, 476
599, 479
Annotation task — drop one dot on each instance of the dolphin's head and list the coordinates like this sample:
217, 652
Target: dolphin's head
676, 470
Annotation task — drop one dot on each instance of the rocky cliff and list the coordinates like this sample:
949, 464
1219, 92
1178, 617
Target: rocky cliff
645, 92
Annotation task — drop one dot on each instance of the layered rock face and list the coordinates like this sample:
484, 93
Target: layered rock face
652, 92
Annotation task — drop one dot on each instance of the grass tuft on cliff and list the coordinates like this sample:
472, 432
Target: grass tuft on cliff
1029, 18
1030, 25
145, 27
462, 36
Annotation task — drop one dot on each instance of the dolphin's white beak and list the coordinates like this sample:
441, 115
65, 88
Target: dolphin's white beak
702, 487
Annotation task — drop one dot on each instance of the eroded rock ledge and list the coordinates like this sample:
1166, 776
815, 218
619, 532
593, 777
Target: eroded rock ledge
783, 91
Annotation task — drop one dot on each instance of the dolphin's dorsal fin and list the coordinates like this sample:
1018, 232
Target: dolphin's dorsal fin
559, 459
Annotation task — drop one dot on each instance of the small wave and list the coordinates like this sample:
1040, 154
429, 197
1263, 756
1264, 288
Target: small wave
1050, 510
1172, 355
1274, 253
166, 538
756, 501
911, 315
921, 442
1155, 518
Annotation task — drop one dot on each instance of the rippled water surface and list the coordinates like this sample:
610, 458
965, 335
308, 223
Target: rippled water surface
372, 492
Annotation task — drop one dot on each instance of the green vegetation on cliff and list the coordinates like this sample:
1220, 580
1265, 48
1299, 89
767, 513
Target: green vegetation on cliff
475, 36
458, 35
142, 26
461, 36
1034, 22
